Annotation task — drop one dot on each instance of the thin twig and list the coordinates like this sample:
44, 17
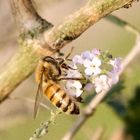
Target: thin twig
133, 53
120, 22
91, 107
43, 129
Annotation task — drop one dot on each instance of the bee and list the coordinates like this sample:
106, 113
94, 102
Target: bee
48, 74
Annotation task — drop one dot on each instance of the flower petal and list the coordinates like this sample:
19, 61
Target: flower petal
87, 63
86, 55
77, 59
96, 61
96, 51
96, 71
89, 71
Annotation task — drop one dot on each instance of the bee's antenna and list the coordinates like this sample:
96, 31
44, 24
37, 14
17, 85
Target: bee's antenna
67, 56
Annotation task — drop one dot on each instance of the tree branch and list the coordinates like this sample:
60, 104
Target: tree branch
37, 39
77, 23
26, 16
92, 106
23, 63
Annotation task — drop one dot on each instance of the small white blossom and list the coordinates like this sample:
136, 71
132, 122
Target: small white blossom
92, 70
96, 61
73, 88
87, 63
92, 67
101, 83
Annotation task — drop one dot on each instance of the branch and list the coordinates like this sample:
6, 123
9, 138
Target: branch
37, 39
75, 24
26, 16
23, 63
91, 107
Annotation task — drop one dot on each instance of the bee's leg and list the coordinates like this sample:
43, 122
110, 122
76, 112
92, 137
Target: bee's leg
78, 99
69, 78
65, 66
68, 55
68, 59
62, 54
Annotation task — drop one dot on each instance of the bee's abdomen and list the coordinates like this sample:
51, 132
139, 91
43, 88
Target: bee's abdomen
59, 98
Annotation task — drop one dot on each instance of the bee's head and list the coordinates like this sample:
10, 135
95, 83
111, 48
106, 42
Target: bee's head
52, 68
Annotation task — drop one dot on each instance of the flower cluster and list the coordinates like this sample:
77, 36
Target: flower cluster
95, 69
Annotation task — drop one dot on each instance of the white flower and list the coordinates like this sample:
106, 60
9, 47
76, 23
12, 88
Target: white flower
92, 67
73, 88
101, 83
88, 65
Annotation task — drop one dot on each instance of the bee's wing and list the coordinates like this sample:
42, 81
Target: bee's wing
39, 96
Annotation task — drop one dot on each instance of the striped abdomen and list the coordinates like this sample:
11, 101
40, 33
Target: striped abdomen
59, 98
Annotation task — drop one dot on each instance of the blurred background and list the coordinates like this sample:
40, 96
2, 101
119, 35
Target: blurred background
121, 109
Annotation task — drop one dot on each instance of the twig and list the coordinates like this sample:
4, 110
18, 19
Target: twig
91, 107
43, 129
123, 24
134, 52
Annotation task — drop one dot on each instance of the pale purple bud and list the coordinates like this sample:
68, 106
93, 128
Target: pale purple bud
96, 51
85, 55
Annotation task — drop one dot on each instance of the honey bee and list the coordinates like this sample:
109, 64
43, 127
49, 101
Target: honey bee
48, 74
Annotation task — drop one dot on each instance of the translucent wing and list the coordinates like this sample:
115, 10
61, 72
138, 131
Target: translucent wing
39, 96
